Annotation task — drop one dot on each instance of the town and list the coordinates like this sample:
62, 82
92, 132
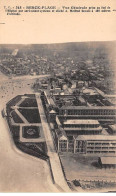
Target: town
69, 116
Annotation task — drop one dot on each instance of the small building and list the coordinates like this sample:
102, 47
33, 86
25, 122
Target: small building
44, 86
52, 115
70, 144
61, 141
106, 161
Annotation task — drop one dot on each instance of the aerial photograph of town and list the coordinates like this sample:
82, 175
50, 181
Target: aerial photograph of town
58, 117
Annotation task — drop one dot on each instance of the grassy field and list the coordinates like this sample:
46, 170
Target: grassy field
32, 115
28, 102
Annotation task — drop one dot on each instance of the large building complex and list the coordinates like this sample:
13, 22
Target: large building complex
82, 122
86, 106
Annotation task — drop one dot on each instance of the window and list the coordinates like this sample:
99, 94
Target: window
97, 144
105, 144
104, 147
63, 146
112, 152
90, 143
97, 147
90, 147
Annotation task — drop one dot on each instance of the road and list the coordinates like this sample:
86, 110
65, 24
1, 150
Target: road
26, 77
54, 158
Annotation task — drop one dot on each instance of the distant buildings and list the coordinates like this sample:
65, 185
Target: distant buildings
14, 53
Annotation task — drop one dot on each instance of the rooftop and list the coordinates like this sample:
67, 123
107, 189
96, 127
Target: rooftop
80, 121
83, 129
61, 134
97, 137
108, 160
52, 112
88, 108
113, 127
90, 91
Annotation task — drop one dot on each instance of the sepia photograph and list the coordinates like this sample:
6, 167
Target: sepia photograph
57, 96
58, 117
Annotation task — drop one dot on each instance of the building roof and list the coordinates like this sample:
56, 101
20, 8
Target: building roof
81, 129
90, 91
58, 121
108, 160
63, 137
24, 97
44, 84
97, 137
61, 134
81, 122
52, 112
87, 107
113, 127
51, 101
113, 96
81, 99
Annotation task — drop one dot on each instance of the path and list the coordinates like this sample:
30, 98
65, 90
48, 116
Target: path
54, 158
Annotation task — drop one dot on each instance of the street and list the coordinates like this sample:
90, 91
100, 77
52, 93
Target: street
54, 158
